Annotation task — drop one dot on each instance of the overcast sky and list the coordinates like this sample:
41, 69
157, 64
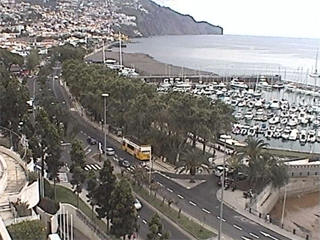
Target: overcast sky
291, 18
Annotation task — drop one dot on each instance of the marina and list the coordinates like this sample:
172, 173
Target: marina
286, 116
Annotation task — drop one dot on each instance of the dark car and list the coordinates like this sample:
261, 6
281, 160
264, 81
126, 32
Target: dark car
124, 163
91, 141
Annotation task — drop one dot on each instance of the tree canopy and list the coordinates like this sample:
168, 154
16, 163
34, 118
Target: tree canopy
163, 120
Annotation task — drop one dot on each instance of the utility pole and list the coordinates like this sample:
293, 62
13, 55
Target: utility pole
222, 189
105, 95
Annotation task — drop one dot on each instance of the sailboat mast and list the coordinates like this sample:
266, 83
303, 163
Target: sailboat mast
120, 50
316, 66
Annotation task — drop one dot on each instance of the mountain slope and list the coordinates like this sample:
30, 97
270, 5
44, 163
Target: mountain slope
151, 19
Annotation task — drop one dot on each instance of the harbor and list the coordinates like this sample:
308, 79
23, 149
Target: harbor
286, 116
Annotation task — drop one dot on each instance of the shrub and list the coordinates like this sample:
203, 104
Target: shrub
48, 205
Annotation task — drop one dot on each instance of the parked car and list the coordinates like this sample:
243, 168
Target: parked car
137, 204
91, 141
124, 163
110, 151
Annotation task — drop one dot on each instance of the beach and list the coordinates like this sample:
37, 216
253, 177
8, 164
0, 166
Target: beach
146, 65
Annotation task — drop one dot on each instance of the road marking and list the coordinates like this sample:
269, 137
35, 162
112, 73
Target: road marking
245, 238
160, 184
237, 227
253, 235
223, 220
170, 190
192, 203
144, 221
205, 210
86, 148
268, 235
179, 196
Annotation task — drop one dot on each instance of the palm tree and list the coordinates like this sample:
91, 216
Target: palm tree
262, 167
191, 162
252, 150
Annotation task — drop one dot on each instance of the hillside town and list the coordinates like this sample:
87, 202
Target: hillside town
24, 26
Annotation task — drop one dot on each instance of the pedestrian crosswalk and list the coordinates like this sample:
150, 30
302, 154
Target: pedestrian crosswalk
94, 167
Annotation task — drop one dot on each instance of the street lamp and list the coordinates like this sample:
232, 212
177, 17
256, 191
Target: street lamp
222, 189
105, 96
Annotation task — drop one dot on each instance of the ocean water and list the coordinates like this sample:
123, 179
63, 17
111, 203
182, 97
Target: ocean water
292, 58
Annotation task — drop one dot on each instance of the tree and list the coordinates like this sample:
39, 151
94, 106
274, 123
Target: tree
78, 180
33, 60
262, 167
156, 231
102, 195
28, 230
77, 154
124, 215
191, 162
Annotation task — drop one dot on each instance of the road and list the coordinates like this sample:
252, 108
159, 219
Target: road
200, 202
146, 213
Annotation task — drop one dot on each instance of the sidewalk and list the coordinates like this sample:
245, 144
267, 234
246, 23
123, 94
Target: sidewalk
237, 202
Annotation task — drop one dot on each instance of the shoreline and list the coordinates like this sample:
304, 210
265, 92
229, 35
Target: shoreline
147, 65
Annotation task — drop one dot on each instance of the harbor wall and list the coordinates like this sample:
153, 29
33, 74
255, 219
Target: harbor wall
264, 202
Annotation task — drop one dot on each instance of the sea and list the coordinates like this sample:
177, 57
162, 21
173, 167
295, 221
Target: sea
292, 58
228, 55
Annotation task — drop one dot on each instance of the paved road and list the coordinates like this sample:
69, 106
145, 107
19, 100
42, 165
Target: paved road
146, 213
200, 202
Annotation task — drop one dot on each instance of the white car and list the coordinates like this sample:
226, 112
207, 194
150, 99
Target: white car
137, 204
110, 151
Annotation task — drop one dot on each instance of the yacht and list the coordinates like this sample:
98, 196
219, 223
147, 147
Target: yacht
248, 115
243, 131
318, 136
274, 120
286, 133
294, 134
293, 122
303, 118
311, 136
268, 134
238, 116
275, 104
236, 84
284, 121
303, 136
252, 132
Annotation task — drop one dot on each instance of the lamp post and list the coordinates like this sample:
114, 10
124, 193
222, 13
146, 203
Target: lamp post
222, 189
105, 96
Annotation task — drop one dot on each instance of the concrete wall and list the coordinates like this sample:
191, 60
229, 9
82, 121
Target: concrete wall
265, 201
15, 156
3, 175
29, 194
3, 231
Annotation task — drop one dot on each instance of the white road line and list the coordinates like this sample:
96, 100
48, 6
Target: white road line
223, 220
205, 210
253, 235
179, 196
160, 184
268, 235
170, 190
237, 227
144, 221
192, 203
245, 238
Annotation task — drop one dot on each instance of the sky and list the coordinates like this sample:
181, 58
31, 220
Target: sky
286, 18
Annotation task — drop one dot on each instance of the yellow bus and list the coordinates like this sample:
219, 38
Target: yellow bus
136, 149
